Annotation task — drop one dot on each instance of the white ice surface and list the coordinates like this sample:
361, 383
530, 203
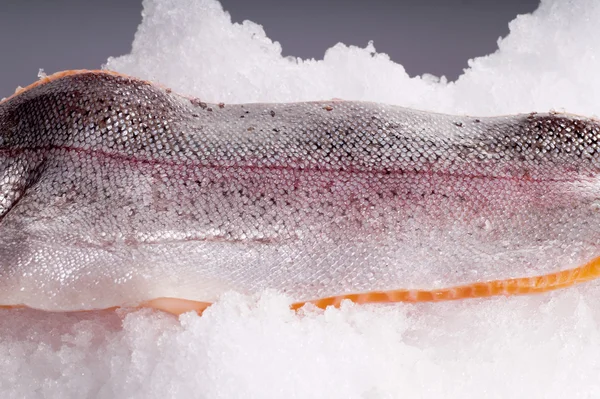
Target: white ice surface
544, 346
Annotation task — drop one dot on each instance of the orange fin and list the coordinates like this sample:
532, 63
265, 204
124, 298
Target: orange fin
513, 286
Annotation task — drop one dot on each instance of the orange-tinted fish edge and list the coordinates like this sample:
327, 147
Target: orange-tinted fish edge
504, 287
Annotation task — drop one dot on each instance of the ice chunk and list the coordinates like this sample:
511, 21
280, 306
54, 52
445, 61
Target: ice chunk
544, 63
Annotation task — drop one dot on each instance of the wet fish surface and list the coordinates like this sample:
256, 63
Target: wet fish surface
115, 191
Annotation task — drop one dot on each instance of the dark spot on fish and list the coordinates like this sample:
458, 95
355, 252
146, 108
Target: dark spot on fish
459, 124
526, 175
272, 113
221, 105
276, 130
328, 108
168, 91
195, 115
477, 120
198, 103
250, 129
209, 109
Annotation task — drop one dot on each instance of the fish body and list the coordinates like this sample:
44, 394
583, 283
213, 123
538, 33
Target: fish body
115, 191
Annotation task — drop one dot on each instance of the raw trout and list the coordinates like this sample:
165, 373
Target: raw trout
117, 192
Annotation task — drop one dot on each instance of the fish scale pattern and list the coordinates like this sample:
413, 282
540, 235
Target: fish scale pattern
114, 191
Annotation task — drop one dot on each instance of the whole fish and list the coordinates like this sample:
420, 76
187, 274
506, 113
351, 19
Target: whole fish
117, 192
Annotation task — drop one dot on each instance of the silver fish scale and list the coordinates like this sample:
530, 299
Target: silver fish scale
114, 191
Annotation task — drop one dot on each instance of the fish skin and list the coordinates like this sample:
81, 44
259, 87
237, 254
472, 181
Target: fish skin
114, 191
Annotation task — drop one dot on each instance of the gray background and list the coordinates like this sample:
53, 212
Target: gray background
434, 36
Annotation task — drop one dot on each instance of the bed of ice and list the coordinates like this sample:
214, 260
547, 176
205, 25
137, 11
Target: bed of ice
545, 346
